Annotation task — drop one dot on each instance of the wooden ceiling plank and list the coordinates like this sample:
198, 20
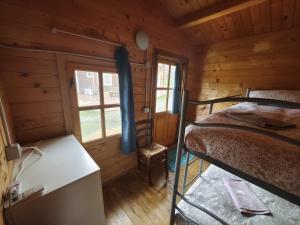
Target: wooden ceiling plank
265, 11
195, 5
223, 28
288, 13
200, 34
230, 25
202, 3
184, 7
256, 19
262, 17
247, 21
197, 36
209, 33
238, 23
276, 14
215, 28
215, 12
169, 8
297, 14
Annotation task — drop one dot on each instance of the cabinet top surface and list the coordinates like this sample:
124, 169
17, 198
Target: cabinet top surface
64, 161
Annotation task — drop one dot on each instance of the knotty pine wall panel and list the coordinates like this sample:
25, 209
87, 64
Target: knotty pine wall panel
269, 61
33, 88
4, 174
7, 136
32, 78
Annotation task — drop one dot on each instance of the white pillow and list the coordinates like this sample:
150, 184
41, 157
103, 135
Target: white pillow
284, 95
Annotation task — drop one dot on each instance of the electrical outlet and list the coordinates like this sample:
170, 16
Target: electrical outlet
148, 65
146, 109
13, 152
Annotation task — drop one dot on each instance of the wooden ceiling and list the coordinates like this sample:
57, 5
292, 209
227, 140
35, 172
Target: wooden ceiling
260, 16
178, 8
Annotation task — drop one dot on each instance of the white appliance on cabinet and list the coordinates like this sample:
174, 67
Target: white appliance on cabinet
72, 192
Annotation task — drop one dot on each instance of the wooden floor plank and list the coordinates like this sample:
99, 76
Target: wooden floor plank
130, 200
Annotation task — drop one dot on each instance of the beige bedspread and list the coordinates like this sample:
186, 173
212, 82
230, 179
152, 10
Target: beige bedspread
273, 161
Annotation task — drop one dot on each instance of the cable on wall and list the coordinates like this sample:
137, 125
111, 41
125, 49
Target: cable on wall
55, 30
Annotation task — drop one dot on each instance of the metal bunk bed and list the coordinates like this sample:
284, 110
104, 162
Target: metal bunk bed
181, 147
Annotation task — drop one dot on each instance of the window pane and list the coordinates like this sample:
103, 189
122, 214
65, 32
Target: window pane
90, 124
112, 121
87, 87
170, 101
162, 75
172, 76
161, 100
111, 88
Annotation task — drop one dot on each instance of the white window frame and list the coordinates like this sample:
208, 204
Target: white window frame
109, 83
102, 106
168, 89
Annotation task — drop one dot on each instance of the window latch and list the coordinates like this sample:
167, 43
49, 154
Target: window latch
71, 82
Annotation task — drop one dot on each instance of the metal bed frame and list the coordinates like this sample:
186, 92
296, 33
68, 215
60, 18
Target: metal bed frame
181, 148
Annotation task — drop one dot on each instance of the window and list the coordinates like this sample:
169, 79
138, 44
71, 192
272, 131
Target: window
164, 87
107, 80
98, 104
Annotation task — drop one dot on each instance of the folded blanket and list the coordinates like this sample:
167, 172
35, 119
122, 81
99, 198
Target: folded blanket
244, 198
261, 121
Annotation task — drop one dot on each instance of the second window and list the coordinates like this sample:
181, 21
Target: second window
164, 87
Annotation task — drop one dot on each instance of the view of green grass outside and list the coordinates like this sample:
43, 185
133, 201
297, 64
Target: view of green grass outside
113, 121
161, 101
90, 121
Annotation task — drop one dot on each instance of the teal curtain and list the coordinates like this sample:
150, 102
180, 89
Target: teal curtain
177, 91
128, 141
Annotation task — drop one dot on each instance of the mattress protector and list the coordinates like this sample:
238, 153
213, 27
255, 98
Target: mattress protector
210, 192
260, 156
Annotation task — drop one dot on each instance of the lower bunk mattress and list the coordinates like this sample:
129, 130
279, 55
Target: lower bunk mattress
260, 156
210, 192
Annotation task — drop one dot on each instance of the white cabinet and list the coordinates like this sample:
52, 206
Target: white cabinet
73, 190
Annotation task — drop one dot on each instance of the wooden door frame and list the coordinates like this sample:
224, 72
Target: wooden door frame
162, 55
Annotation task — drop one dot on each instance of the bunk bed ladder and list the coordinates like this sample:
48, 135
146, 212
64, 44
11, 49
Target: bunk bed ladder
179, 154
186, 168
187, 164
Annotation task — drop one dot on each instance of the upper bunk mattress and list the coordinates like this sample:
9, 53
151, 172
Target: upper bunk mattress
260, 156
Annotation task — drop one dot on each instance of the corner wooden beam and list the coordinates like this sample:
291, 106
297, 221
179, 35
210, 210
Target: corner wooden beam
215, 12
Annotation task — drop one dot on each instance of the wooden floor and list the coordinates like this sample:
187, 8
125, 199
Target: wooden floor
131, 201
